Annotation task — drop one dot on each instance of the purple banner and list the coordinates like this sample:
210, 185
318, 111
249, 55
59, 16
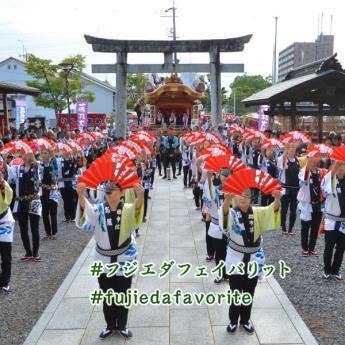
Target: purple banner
263, 119
82, 106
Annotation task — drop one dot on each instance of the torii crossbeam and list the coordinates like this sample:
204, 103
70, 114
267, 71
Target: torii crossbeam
168, 48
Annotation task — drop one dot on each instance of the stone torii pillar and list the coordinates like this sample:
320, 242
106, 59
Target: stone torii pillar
121, 95
216, 88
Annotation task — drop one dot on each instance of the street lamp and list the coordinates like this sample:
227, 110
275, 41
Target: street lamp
67, 67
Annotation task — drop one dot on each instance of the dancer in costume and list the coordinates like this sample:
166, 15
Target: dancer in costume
244, 225
333, 187
6, 234
112, 223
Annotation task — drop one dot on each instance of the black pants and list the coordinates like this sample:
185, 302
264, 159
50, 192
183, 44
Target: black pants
288, 201
266, 199
159, 164
153, 175
333, 238
178, 159
13, 187
69, 197
146, 197
116, 316
209, 240
49, 215
219, 246
23, 220
169, 160
310, 231
243, 284
197, 192
187, 175
6, 261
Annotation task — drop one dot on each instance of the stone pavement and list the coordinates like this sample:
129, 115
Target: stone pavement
173, 231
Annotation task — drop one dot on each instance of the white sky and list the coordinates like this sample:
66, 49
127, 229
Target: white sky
55, 29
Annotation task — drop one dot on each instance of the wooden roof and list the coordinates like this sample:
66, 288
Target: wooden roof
9, 88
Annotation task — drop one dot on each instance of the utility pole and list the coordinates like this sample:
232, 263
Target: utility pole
174, 36
68, 69
274, 64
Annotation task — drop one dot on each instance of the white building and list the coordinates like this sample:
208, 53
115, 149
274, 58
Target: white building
13, 70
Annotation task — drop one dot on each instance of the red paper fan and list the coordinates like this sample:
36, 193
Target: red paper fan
17, 161
142, 137
85, 136
122, 150
250, 178
23, 146
272, 143
339, 154
261, 135
110, 167
319, 150
214, 151
230, 162
236, 128
213, 138
296, 136
44, 143
75, 146
148, 134
63, 147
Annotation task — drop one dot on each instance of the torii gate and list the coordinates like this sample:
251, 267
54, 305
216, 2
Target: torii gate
121, 68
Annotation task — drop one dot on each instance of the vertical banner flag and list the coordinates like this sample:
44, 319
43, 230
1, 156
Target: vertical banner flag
263, 119
82, 106
21, 111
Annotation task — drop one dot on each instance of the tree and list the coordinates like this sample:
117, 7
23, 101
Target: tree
135, 88
244, 86
50, 79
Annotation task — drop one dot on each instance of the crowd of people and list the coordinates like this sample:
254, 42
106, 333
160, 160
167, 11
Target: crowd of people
244, 182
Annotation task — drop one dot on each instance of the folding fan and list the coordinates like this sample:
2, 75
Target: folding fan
85, 136
148, 134
236, 128
319, 150
141, 137
133, 144
17, 161
260, 135
275, 143
110, 167
213, 151
339, 153
97, 135
250, 178
213, 137
63, 147
296, 136
75, 146
44, 143
18, 145
247, 135
123, 150
215, 164
197, 140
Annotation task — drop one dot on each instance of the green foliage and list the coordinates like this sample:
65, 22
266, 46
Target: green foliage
50, 79
244, 86
135, 88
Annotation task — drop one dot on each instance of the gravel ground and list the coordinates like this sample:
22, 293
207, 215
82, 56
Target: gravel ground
320, 304
34, 284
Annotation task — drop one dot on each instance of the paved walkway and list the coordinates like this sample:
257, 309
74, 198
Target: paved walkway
174, 230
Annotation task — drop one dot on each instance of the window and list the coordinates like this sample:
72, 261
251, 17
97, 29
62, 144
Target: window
15, 66
9, 66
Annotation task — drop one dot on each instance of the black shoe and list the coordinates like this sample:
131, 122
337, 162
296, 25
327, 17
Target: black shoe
338, 277
218, 280
126, 333
6, 289
209, 258
144, 220
231, 328
248, 327
164, 177
326, 276
106, 333
174, 177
